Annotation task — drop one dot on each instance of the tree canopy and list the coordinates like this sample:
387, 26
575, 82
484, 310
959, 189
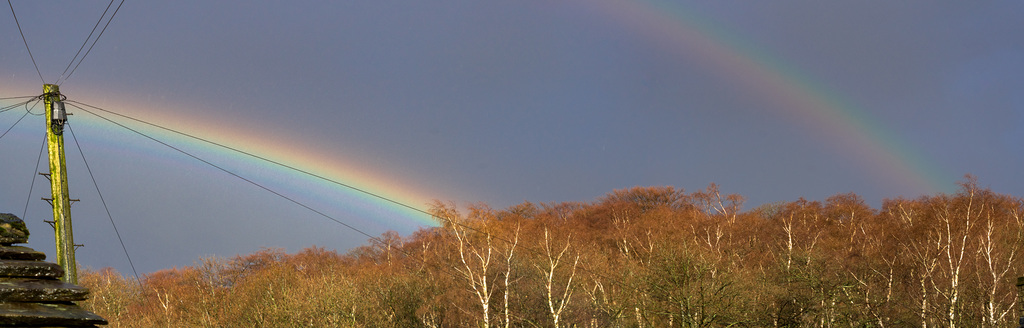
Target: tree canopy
638, 257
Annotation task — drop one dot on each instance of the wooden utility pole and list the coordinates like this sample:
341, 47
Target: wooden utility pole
55, 118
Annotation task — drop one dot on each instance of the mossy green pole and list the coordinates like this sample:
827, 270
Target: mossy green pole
59, 187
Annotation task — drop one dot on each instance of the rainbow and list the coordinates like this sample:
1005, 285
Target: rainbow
397, 207
669, 25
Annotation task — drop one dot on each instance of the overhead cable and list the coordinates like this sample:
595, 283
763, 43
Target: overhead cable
363, 191
93, 41
26, 42
104, 202
87, 38
34, 174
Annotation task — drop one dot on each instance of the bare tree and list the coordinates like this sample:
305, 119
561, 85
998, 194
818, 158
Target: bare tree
476, 261
478, 251
557, 303
508, 275
956, 238
997, 259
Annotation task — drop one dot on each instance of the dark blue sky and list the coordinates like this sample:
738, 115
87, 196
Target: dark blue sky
501, 102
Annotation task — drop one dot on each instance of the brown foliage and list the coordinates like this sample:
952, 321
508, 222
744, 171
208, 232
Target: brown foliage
646, 256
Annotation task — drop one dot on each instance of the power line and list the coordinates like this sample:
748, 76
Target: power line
93, 41
229, 172
26, 41
29, 110
18, 97
34, 174
12, 126
104, 202
7, 108
10, 107
366, 192
87, 38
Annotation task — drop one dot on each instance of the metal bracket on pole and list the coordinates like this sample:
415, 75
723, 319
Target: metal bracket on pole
50, 200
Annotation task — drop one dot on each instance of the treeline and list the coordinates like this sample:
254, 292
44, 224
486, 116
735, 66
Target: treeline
641, 257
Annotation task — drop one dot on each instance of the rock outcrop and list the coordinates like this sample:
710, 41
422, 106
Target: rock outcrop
31, 293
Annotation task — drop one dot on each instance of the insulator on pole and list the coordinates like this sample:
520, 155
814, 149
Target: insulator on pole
59, 116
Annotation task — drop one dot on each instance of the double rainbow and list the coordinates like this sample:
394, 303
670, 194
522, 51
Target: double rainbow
823, 111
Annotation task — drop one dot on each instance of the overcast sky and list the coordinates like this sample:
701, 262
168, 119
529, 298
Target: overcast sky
498, 102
